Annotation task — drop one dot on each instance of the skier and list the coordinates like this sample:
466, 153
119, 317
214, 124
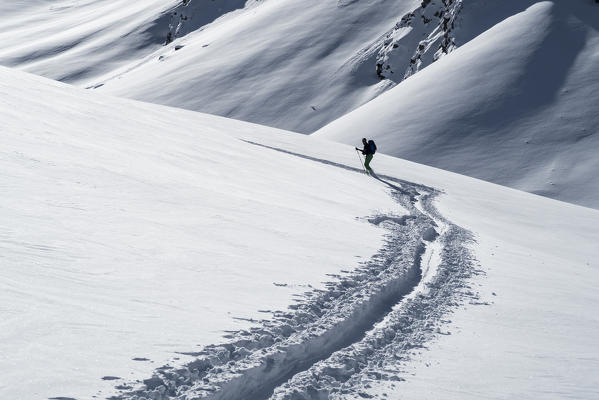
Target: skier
368, 151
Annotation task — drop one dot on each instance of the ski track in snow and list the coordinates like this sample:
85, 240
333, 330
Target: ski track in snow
334, 342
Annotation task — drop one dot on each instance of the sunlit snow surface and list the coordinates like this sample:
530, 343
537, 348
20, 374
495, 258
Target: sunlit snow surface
294, 65
73, 40
132, 231
515, 106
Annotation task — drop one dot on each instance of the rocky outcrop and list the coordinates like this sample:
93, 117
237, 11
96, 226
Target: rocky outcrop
418, 39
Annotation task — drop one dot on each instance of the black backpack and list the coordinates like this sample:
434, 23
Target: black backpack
372, 146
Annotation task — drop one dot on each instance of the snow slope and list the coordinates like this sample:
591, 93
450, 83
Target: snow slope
302, 64
293, 65
133, 231
125, 234
299, 65
531, 333
515, 106
75, 41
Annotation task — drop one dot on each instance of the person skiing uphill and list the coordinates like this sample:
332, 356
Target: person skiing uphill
368, 151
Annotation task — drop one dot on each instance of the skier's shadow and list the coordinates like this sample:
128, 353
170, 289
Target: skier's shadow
412, 193
392, 186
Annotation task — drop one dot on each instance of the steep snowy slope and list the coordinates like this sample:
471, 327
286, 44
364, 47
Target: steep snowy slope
293, 65
299, 65
289, 64
516, 106
75, 41
302, 64
133, 231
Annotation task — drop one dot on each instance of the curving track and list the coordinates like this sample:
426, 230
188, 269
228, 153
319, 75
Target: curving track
336, 342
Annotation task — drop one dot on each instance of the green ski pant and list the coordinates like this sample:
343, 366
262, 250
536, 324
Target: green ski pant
367, 162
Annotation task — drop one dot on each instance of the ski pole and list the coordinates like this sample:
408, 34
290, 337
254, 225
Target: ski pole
361, 163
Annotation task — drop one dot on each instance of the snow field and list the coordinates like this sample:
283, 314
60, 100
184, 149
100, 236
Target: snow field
128, 234
531, 332
310, 343
136, 231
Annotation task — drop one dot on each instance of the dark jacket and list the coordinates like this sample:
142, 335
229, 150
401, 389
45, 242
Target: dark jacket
367, 149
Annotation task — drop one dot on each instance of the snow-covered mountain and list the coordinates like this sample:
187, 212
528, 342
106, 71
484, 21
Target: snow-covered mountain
151, 252
289, 64
155, 252
516, 106
73, 41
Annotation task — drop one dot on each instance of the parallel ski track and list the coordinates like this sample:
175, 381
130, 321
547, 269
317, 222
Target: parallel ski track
413, 321
335, 341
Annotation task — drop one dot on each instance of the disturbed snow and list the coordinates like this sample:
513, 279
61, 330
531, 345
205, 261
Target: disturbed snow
129, 239
334, 343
